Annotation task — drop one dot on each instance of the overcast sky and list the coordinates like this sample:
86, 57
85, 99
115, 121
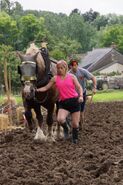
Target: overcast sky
66, 6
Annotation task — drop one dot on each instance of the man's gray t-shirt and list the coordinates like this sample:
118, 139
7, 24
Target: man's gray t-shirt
82, 75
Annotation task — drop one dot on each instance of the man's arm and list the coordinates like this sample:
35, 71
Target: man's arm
79, 88
94, 84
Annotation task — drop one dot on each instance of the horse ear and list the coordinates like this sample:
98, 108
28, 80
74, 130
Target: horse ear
20, 56
19, 70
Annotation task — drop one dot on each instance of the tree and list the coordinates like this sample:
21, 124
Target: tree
65, 48
10, 7
90, 16
113, 34
7, 54
8, 30
75, 11
80, 31
100, 21
113, 19
31, 28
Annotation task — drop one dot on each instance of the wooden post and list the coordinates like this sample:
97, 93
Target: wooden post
10, 87
7, 87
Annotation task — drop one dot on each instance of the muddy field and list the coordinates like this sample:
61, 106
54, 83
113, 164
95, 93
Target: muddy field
96, 160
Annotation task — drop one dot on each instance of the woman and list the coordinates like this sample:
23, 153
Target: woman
69, 99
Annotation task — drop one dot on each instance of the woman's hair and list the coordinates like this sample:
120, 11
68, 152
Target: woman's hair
63, 63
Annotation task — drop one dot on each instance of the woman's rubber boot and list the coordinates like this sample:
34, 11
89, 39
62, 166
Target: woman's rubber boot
75, 132
66, 130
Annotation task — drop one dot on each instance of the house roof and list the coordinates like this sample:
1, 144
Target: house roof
110, 64
94, 56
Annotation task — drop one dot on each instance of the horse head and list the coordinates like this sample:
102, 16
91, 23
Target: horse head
28, 71
32, 71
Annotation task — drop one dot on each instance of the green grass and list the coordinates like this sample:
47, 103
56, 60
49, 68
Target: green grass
18, 99
100, 96
110, 95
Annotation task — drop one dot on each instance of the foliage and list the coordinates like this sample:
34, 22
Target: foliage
7, 54
113, 34
10, 7
57, 54
8, 30
90, 15
29, 27
100, 22
80, 31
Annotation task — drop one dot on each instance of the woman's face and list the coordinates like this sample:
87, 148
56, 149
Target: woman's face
61, 70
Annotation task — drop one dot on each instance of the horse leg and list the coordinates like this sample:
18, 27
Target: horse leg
39, 116
28, 115
49, 121
39, 134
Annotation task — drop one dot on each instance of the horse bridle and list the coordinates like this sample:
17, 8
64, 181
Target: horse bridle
29, 78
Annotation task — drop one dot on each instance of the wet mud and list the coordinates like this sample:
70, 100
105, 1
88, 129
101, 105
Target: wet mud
96, 160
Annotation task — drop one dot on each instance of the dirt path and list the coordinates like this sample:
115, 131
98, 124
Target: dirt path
96, 160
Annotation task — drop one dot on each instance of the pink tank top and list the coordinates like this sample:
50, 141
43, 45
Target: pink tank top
66, 87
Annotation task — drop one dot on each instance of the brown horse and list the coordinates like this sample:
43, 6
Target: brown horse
34, 74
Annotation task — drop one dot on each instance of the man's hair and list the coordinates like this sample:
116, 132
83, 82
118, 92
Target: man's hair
73, 61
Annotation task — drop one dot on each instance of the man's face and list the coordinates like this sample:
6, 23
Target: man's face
74, 66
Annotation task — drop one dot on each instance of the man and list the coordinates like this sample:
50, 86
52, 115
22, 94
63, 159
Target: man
82, 75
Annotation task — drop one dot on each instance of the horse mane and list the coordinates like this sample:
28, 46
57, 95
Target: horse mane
33, 49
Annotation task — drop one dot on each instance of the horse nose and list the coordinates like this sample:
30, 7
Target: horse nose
27, 89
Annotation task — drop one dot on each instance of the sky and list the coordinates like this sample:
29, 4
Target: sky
66, 6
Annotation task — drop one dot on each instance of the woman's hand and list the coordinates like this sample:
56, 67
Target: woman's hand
38, 90
81, 99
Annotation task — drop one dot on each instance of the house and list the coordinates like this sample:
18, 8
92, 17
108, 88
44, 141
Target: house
103, 60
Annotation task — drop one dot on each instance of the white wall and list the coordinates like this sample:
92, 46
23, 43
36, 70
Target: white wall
113, 68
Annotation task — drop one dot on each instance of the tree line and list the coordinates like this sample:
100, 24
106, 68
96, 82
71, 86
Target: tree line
66, 35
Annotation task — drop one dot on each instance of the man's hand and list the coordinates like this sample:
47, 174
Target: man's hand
94, 90
81, 99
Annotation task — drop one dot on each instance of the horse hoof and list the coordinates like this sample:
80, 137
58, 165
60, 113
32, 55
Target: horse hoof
51, 139
43, 139
38, 141
40, 135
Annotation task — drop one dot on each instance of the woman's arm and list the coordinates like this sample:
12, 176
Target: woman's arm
48, 86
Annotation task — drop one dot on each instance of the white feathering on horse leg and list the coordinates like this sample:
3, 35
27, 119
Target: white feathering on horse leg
40, 135
50, 136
